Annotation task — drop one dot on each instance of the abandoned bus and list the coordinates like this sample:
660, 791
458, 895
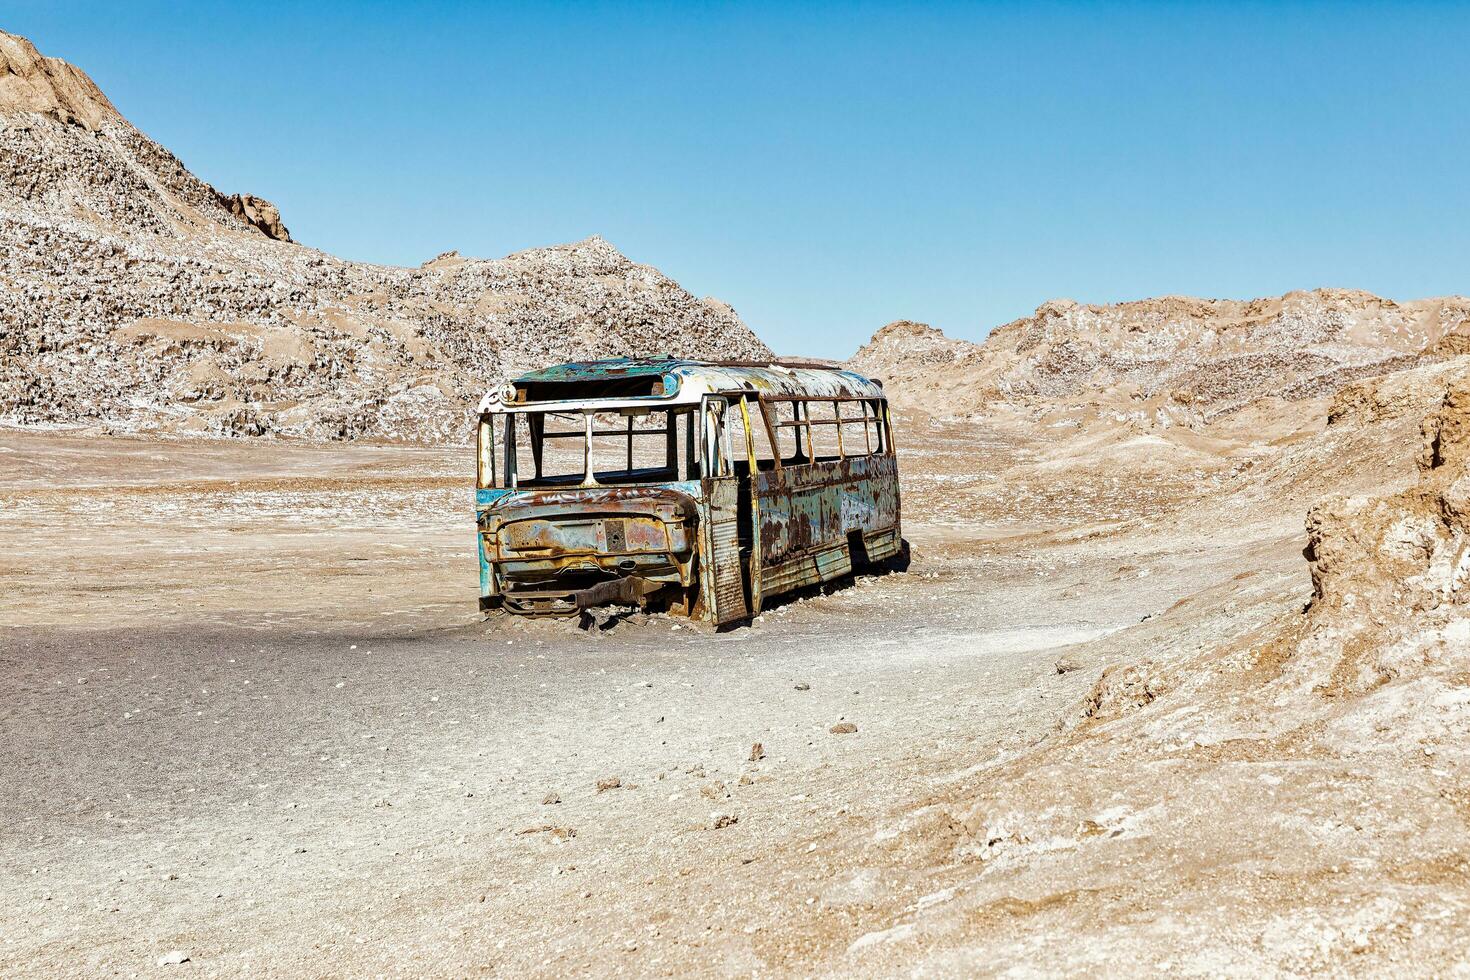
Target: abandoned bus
703, 488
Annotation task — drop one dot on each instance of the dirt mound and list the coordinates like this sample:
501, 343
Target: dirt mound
1168, 361
1390, 577
1270, 776
141, 298
1390, 574
908, 346
928, 371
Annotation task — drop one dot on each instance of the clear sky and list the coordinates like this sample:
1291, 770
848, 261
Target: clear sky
828, 168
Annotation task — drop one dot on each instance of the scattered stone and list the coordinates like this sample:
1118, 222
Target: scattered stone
745, 780
714, 790
552, 797
803, 686
719, 821
173, 958
843, 728
1067, 664
757, 752
611, 782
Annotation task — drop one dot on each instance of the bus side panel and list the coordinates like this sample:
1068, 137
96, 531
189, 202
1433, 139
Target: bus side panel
812, 517
883, 538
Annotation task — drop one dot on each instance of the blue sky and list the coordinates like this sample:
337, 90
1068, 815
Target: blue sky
829, 168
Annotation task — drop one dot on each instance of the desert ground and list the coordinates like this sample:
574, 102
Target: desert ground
251, 715
1178, 680
255, 715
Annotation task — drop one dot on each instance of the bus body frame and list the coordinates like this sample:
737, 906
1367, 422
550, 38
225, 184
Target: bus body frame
722, 520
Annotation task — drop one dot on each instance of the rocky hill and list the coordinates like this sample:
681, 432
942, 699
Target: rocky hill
1168, 361
139, 297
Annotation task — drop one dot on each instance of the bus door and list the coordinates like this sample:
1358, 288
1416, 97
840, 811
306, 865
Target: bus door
722, 579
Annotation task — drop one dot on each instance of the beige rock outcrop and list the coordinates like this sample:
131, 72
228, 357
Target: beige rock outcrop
259, 214
30, 82
1383, 567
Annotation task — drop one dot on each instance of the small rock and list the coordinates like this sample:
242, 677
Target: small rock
552, 797
719, 821
745, 780
843, 728
713, 790
611, 782
803, 686
1067, 664
173, 958
757, 752
560, 833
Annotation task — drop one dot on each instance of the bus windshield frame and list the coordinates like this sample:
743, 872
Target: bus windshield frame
595, 446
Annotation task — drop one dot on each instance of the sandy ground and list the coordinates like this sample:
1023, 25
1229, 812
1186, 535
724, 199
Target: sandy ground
250, 714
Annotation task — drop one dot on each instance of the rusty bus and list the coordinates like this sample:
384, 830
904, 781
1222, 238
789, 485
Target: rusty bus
702, 488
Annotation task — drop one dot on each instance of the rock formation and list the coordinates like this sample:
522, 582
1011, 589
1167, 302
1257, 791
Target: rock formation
1391, 574
259, 214
1173, 360
31, 83
139, 297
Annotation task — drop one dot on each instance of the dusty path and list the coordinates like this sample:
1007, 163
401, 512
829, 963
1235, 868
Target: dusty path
315, 797
258, 767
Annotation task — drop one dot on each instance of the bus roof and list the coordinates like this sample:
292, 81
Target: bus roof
673, 381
